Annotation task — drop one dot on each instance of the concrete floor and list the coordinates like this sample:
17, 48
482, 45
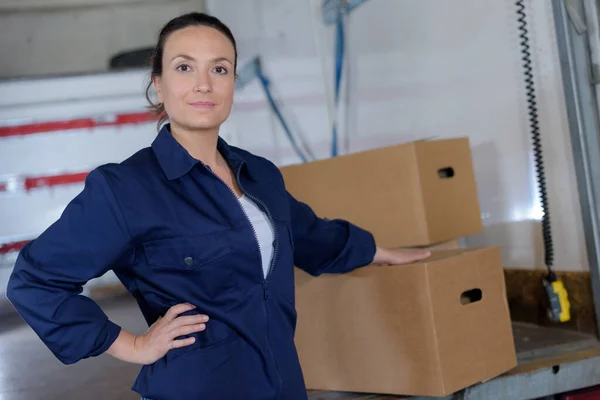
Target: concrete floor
28, 371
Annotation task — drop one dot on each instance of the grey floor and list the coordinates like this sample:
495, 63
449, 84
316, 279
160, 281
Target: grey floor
28, 371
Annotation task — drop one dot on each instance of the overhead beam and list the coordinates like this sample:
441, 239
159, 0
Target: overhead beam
49, 5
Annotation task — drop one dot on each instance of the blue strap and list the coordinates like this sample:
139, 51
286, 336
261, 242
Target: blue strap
331, 9
265, 84
254, 69
339, 67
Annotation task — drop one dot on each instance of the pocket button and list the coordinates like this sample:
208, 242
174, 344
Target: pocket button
188, 260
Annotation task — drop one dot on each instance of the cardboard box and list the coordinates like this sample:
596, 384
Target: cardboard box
413, 194
427, 329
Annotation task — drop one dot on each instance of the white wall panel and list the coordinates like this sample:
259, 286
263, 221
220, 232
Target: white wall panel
78, 36
415, 69
433, 68
77, 150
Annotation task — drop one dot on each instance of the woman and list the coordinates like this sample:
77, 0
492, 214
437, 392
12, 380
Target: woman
202, 234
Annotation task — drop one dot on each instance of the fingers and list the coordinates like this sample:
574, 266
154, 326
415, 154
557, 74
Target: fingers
175, 344
186, 330
417, 255
186, 325
189, 320
401, 257
174, 311
174, 326
423, 253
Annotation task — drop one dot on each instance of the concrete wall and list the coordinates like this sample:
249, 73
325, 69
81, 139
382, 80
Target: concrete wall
78, 36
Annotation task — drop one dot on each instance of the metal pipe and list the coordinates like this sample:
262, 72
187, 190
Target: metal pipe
584, 126
590, 10
314, 8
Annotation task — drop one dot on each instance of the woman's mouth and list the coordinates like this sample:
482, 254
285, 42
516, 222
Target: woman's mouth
202, 104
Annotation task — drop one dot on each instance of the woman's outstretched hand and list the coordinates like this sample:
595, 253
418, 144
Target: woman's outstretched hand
399, 257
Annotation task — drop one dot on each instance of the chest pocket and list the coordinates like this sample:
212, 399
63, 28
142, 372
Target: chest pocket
197, 265
187, 253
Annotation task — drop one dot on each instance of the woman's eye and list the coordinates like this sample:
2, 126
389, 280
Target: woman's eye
220, 70
183, 68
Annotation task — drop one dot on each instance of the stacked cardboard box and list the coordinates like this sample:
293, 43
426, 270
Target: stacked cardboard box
414, 194
430, 328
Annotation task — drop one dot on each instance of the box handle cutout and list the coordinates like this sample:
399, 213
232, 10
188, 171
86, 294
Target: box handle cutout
471, 296
446, 173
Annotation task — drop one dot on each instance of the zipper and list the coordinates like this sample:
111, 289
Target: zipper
271, 220
266, 279
273, 258
266, 311
243, 211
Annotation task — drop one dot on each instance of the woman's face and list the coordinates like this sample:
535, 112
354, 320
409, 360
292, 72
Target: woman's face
198, 80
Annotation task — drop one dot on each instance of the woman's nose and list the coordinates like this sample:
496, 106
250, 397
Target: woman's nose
203, 83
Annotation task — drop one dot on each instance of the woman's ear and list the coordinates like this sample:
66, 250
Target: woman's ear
157, 86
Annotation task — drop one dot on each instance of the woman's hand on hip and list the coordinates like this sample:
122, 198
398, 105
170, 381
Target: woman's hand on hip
160, 337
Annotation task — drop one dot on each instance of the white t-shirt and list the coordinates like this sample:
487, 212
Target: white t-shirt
264, 231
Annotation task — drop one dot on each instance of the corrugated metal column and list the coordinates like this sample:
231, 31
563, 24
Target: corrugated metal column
582, 111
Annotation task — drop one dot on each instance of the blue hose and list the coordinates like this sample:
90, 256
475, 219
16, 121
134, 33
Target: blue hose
334, 12
339, 67
254, 69
265, 84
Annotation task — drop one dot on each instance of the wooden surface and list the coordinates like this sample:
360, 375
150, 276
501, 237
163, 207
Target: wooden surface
537, 348
553, 361
534, 342
527, 299
325, 395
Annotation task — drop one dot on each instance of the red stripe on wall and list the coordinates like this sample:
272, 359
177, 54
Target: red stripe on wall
83, 123
29, 183
38, 182
10, 247
55, 180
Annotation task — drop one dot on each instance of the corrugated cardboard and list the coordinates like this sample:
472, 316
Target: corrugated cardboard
413, 194
406, 330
